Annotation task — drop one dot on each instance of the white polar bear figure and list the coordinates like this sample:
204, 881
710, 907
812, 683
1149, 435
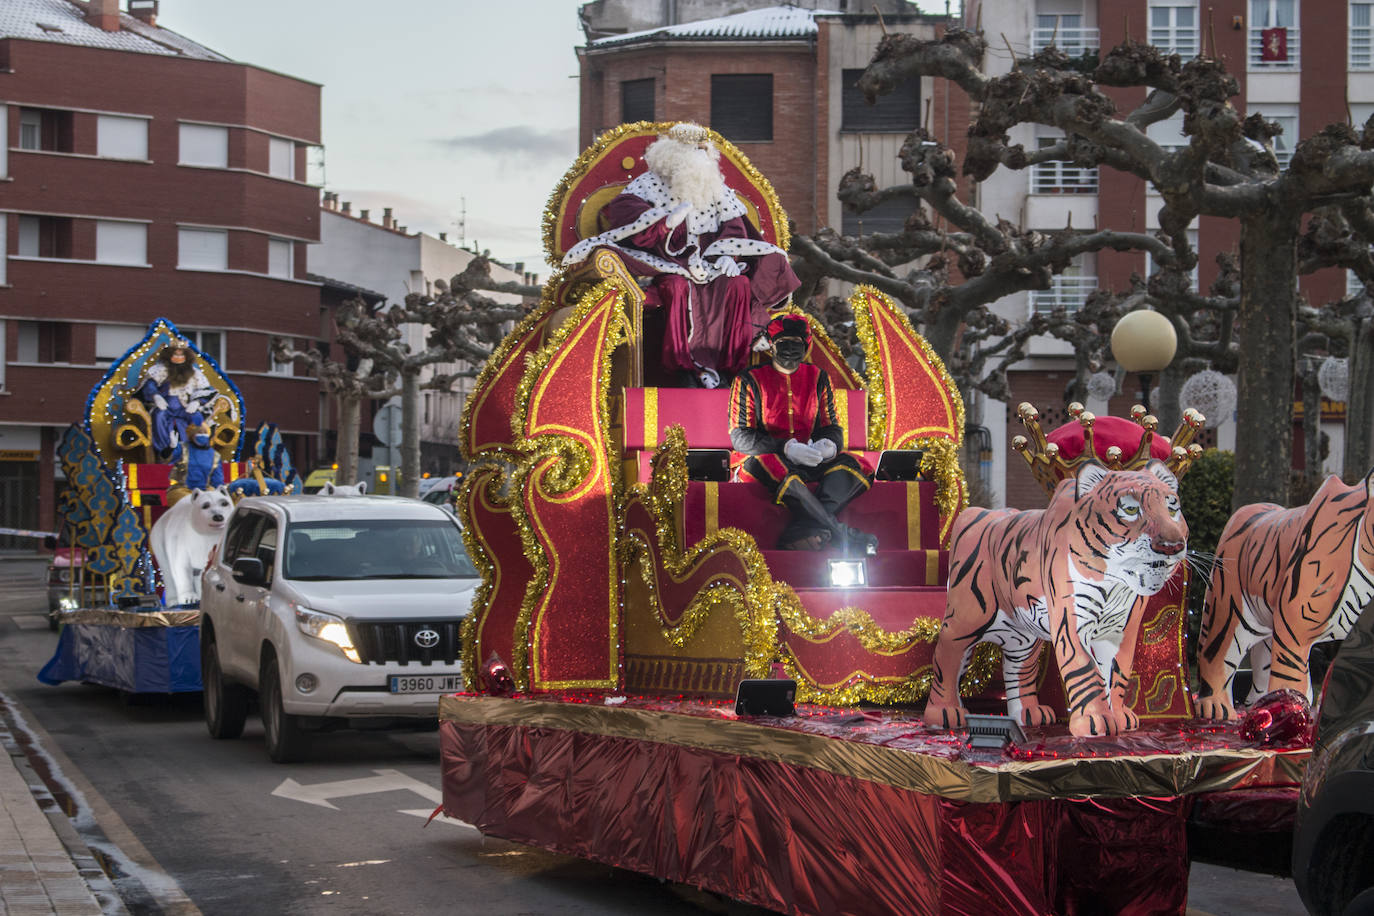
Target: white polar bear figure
360, 489
182, 539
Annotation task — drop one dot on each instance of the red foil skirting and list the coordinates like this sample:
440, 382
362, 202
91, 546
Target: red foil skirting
791, 814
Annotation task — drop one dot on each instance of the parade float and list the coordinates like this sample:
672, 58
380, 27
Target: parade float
627, 594
163, 425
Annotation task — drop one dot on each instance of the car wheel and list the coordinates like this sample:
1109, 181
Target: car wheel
226, 705
286, 741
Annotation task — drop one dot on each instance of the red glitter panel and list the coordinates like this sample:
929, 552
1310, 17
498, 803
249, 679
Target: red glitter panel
919, 403
498, 539
572, 625
489, 409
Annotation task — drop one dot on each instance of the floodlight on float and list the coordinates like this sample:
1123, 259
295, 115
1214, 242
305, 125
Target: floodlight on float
847, 573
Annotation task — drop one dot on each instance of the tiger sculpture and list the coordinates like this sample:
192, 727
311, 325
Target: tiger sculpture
1077, 574
1283, 580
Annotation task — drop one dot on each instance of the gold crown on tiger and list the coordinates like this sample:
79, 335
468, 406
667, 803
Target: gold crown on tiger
1049, 467
687, 132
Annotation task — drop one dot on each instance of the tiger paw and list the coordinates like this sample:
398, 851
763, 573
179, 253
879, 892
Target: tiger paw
1214, 707
1091, 725
942, 716
1126, 720
1037, 715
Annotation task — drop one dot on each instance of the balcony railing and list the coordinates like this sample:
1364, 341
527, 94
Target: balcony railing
1361, 47
1180, 41
1073, 42
1062, 178
1070, 292
1293, 60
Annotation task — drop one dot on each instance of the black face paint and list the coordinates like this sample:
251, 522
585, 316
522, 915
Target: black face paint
788, 353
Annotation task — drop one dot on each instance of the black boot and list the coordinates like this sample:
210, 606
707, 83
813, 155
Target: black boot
810, 514
837, 489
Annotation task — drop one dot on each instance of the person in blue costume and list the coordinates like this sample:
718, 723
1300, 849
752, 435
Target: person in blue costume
203, 468
177, 395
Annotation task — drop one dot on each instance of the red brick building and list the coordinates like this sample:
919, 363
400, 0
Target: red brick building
143, 176
777, 81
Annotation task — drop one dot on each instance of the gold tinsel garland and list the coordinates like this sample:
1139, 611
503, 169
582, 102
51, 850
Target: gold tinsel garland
554, 210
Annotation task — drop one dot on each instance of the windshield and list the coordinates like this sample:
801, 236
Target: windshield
376, 549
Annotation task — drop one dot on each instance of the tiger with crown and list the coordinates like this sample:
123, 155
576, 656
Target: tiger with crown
1284, 579
1076, 574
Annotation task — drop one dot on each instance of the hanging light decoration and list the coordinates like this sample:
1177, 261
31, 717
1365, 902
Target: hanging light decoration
1211, 393
1334, 378
1101, 386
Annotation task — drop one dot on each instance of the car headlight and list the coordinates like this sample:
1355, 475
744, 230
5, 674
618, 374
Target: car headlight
328, 628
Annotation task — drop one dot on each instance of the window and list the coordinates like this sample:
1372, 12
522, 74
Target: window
1274, 35
4, 264
30, 128
211, 343
45, 129
1173, 26
1360, 115
1286, 117
243, 530
44, 342
4, 163
201, 144
45, 236
1057, 177
1069, 289
120, 242
279, 257
1065, 31
281, 158
1361, 36
742, 106
1353, 285
279, 368
121, 138
1192, 242
888, 217
897, 112
636, 101
1168, 133
203, 249
112, 341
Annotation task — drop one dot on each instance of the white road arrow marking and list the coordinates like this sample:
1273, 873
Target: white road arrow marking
385, 781
440, 818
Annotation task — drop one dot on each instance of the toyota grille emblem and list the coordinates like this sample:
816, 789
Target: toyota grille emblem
426, 639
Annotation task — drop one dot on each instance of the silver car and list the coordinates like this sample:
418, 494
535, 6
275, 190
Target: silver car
331, 609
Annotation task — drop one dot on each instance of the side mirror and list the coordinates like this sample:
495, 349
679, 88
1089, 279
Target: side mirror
249, 571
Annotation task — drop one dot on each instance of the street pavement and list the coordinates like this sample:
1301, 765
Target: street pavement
166, 820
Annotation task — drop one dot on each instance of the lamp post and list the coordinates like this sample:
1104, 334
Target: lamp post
1144, 342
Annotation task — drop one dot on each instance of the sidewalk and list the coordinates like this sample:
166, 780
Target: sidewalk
44, 866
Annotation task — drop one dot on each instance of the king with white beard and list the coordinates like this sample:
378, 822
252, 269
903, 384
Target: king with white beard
714, 276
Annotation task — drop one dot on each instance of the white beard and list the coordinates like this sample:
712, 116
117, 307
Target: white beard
693, 175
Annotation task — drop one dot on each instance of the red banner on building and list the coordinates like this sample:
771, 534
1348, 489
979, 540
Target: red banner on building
1274, 44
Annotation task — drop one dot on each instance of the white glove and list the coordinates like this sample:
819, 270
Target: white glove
729, 266
801, 453
762, 344
679, 213
824, 447
159, 402
194, 407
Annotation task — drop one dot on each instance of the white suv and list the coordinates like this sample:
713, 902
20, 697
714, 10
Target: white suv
331, 608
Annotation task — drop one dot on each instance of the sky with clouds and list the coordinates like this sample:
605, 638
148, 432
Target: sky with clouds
431, 107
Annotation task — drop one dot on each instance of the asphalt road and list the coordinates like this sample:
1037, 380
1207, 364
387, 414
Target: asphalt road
189, 824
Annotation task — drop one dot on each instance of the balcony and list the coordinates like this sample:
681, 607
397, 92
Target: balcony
1293, 60
1073, 42
1176, 40
1069, 292
1062, 178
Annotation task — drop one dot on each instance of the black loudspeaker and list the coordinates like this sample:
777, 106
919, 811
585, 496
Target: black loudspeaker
708, 464
766, 697
994, 731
